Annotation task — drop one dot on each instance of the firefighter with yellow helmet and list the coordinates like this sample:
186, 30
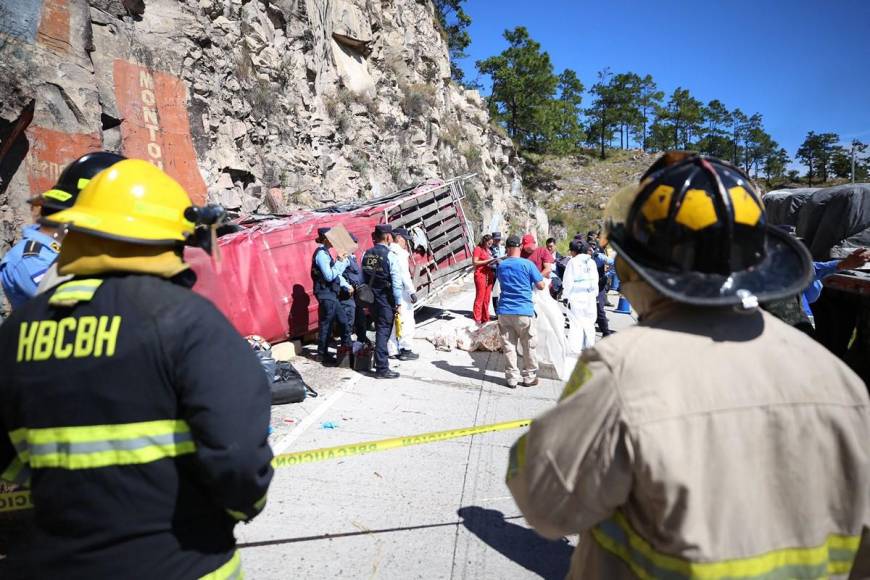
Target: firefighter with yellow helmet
135, 412
711, 440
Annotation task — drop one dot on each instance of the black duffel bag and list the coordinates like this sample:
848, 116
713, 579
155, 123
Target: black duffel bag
285, 382
288, 386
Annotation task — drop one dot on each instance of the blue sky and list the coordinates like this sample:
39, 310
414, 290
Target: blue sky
803, 64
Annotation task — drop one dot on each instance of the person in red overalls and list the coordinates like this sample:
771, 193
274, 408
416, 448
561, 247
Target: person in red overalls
484, 279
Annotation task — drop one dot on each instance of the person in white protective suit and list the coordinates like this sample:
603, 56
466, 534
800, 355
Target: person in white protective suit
400, 347
580, 289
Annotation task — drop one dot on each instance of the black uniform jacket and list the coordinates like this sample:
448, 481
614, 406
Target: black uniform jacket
140, 417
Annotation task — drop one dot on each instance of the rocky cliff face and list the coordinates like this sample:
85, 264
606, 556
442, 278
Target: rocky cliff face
261, 105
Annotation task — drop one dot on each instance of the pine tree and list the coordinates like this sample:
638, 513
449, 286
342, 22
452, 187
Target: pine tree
815, 152
717, 139
455, 22
738, 121
684, 115
841, 162
775, 165
539, 109
523, 84
757, 144
602, 113
560, 121
649, 98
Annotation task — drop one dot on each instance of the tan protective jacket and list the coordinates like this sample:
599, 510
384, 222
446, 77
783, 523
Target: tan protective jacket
703, 443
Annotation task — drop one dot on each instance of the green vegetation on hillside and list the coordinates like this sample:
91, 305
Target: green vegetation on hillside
541, 112
826, 159
539, 109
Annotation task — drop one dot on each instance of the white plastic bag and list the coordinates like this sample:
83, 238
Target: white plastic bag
554, 357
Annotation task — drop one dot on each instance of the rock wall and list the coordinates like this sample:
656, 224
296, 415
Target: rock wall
261, 105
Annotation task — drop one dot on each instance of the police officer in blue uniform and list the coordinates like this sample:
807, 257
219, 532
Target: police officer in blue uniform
381, 273
329, 284
601, 261
354, 312
26, 263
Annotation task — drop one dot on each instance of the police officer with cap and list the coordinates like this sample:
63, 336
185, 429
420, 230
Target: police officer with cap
354, 312
27, 262
711, 439
329, 285
381, 273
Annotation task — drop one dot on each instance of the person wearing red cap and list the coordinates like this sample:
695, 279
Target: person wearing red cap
540, 257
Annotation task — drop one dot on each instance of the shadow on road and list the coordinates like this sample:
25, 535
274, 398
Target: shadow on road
426, 313
546, 558
475, 371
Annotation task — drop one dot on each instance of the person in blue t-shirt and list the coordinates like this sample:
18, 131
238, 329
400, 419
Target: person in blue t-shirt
516, 313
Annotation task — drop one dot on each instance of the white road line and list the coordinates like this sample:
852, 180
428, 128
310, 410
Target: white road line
299, 430
492, 499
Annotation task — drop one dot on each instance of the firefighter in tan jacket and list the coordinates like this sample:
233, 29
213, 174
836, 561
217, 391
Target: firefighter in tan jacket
711, 440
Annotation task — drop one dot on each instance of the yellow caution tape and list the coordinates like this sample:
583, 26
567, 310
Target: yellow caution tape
20, 500
342, 451
15, 501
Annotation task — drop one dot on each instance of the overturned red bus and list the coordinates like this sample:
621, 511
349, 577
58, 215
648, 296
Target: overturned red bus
262, 282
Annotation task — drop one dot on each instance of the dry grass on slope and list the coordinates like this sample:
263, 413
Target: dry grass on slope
575, 189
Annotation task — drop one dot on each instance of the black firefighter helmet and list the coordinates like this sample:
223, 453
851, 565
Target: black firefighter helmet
696, 231
73, 179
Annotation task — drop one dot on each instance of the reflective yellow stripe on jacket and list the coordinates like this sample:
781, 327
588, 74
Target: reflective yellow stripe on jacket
835, 556
232, 570
73, 292
95, 446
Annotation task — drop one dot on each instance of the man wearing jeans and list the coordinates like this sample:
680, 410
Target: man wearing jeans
516, 313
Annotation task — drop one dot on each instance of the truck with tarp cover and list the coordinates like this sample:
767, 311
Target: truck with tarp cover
833, 222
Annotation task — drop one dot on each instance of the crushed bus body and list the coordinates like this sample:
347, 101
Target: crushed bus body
262, 281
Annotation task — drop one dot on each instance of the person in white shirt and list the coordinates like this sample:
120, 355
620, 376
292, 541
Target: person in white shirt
400, 347
580, 289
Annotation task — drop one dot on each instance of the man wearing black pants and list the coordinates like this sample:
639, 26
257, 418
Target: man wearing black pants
326, 273
601, 319
354, 310
381, 273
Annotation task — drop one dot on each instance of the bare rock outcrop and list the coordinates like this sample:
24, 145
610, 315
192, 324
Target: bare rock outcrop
261, 105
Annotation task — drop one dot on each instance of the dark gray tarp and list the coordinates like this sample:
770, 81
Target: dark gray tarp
783, 205
835, 220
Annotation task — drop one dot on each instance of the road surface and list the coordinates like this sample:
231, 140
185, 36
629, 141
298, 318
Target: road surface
439, 510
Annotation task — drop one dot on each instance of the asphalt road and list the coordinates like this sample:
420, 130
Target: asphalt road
439, 510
